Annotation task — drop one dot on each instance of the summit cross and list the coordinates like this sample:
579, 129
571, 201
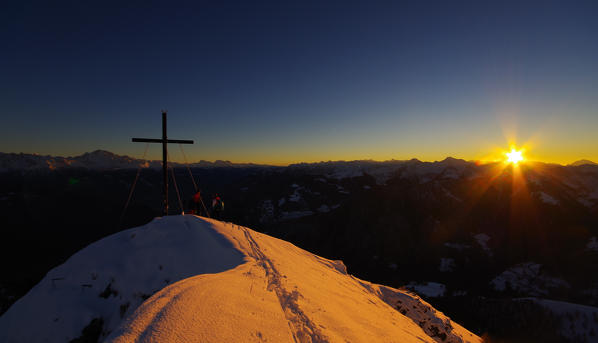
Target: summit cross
164, 140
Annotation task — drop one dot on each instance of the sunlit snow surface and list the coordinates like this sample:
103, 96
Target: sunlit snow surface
216, 282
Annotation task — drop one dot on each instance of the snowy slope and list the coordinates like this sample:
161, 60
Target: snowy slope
224, 283
578, 323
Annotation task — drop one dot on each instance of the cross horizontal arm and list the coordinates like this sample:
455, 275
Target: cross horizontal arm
158, 140
180, 141
147, 140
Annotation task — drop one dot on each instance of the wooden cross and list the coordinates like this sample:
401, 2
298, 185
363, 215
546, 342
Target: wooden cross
164, 142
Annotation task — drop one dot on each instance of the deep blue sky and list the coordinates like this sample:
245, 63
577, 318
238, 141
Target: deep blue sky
282, 82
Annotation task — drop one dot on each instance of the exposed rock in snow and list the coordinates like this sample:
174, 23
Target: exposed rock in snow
224, 283
324, 208
451, 195
295, 197
341, 189
441, 329
548, 199
429, 289
482, 240
295, 214
527, 278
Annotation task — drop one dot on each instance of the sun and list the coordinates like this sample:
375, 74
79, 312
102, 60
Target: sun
515, 156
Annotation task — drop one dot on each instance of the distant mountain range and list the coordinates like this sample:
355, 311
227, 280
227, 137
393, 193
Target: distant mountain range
106, 160
98, 160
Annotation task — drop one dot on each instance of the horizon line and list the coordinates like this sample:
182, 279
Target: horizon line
475, 161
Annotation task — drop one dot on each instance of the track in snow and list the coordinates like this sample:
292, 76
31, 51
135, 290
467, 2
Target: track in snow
303, 329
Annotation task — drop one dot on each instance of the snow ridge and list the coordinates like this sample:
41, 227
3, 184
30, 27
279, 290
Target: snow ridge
216, 282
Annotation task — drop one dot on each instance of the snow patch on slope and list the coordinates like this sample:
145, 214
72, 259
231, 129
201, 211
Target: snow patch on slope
548, 199
578, 323
428, 289
324, 208
527, 278
296, 196
482, 240
592, 244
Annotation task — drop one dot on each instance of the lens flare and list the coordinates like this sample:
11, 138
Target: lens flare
515, 156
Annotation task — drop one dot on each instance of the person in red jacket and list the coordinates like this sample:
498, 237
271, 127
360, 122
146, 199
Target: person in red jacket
217, 207
195, 203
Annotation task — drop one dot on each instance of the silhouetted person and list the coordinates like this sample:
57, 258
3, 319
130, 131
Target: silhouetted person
217, 207
191, 206
196, 202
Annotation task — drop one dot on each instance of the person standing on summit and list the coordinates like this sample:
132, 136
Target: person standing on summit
196, 200
217, 207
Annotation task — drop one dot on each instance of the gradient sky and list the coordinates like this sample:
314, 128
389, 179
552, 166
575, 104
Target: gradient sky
290, 81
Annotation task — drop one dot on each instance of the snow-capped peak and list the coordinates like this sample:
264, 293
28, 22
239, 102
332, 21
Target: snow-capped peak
216, 282
99, 159
583, 163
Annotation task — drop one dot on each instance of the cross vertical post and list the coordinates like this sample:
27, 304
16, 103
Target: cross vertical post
164, 142
164, 163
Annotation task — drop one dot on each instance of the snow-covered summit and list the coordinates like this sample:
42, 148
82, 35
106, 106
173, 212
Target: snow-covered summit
215, 282
101, 159
583, 163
